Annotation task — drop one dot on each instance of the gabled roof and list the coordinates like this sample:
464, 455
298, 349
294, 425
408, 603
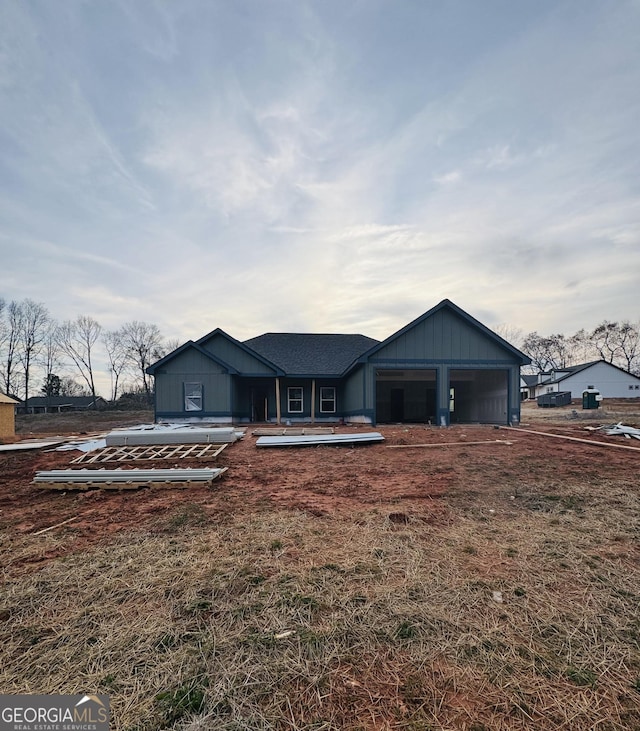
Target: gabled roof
448, 304
186, 346
573, 370
530, 380
243, 346
7, 399
299, 354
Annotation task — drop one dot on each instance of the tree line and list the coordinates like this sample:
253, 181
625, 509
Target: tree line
614, 342
41, 356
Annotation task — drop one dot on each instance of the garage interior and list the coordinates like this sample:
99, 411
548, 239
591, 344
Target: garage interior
406, 396
410, 396
478, 396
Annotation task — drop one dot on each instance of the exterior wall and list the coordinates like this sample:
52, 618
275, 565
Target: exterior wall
443, 336
230, 353
7, 420
307, 388
610, 381
191, 366
355, 406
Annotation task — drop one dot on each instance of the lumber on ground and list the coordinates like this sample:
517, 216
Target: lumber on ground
571, 439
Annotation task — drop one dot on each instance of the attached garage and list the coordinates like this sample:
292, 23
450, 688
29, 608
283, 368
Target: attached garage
444, 367
478, 395
406, 396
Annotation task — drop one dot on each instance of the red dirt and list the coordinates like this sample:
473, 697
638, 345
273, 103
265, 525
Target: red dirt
319, 480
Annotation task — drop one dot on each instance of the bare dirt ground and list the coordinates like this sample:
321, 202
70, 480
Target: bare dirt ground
318, 480
466, 586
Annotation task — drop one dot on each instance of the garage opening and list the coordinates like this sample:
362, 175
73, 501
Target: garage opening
406, 396
478, 396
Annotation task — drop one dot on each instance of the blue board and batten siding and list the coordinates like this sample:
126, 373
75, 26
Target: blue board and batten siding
191, 366
445, 366
446, 341
236, 355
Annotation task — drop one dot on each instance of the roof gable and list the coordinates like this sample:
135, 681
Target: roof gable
244, 358
434, 329
7, 399
574, 370
189, 345
311, 354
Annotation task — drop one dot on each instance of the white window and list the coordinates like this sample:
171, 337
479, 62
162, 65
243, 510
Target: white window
294, 399
327, 399
193, 396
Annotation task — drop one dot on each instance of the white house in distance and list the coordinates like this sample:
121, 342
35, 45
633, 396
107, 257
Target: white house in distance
610, 380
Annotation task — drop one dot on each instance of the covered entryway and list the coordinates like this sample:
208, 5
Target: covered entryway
406, 396
478, 395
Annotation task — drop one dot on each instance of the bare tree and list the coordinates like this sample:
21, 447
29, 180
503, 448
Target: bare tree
617, 342
10, 339
50, 358
547, 353
143, 342
34, 318
117, 356
513, 335
77, 338
69, 387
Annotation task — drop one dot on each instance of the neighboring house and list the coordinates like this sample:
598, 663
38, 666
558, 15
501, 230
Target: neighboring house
443, 367
55, 404
528, 384
610, 380
7, 416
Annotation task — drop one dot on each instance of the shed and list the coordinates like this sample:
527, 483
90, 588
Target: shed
7, 416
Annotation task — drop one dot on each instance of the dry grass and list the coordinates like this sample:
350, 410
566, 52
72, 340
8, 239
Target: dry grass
521, 613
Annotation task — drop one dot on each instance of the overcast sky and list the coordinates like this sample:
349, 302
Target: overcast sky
287, 165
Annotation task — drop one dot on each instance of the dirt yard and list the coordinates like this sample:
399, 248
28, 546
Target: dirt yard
474, 584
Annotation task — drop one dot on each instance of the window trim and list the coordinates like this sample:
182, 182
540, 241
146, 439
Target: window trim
193, 392
291, 398
323, 399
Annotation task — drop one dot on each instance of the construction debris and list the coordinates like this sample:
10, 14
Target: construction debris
139, 453
30, 445
124, 479
57, 525
571, 439
630, 432
445, 444
218, 435
264, 431
309, 440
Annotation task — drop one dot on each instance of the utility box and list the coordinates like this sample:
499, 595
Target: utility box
591, 399
555, 398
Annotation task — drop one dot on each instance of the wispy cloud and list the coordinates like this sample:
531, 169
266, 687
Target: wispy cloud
317, 167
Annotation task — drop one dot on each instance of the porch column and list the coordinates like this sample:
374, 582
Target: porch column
313, 401
278, 412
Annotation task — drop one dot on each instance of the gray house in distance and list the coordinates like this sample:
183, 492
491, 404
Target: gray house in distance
444, 367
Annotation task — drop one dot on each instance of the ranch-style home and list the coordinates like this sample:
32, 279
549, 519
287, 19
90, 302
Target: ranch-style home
444, 367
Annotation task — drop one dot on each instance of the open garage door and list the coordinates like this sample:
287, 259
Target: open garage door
478, 396
406, 396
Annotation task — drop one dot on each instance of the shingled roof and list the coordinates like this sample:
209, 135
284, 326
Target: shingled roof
300, 354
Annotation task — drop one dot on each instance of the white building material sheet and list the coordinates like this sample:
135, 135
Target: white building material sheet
320, 439
83, 477
220, 435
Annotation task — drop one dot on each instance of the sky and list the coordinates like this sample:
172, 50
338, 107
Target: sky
321, 166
